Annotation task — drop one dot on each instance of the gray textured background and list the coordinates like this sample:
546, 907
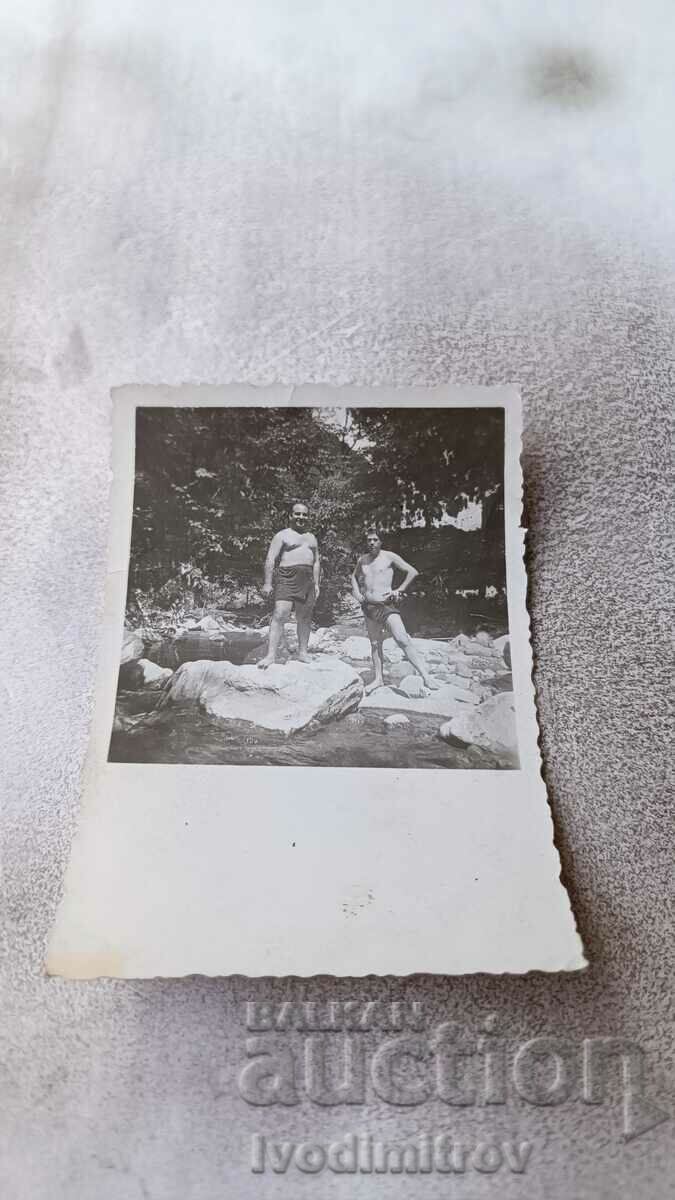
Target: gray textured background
415, 193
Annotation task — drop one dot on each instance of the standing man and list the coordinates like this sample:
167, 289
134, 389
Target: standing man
372, 580
297, 582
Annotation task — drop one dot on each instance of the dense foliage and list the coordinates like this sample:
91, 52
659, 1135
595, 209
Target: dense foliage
214, 484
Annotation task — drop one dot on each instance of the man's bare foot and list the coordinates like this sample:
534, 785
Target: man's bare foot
305, 658
265, 663
372, 687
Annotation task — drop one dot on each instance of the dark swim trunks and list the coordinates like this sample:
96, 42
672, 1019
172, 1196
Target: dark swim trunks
295, 583
378, 610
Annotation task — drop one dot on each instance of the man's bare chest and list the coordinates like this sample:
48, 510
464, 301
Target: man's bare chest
379, 569
297, 541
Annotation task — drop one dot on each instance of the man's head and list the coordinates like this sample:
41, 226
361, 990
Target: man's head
374, 540
299, 516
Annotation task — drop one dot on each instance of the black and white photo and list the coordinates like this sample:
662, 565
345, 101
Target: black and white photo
317, 586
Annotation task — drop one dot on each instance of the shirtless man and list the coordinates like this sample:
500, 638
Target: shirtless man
372, 580
297, 583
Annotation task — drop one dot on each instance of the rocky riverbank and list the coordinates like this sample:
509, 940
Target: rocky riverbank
217, 671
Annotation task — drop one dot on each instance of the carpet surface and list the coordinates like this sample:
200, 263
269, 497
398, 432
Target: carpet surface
418, 194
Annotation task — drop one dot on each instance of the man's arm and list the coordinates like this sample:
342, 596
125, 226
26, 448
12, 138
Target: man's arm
356, 590
317, 568
410, 574
276, 546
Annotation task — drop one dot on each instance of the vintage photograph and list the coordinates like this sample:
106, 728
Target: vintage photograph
317, 586
312, 578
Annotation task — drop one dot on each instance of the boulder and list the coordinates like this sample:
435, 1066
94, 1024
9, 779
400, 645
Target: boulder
462, 642
140, 675
209, 625
479, 663
459, 681
357, 648
345, 641
490, 725
448, 701
412, 685
189, 625
398, 671
392, 651
480, 650
395, 720
132, 646
154, 677
323, 639
503, 644
285, 697
461, 668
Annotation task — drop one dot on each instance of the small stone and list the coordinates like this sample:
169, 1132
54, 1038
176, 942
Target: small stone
484, 638
396, 719
354, 719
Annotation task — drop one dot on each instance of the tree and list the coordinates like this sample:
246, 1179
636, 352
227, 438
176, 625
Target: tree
427, 462
214, 484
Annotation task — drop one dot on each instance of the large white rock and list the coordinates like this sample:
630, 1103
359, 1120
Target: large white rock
132, 647
392, 651
448, 701
491, 725
323, 639
398, 671
357, 648
283, 697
